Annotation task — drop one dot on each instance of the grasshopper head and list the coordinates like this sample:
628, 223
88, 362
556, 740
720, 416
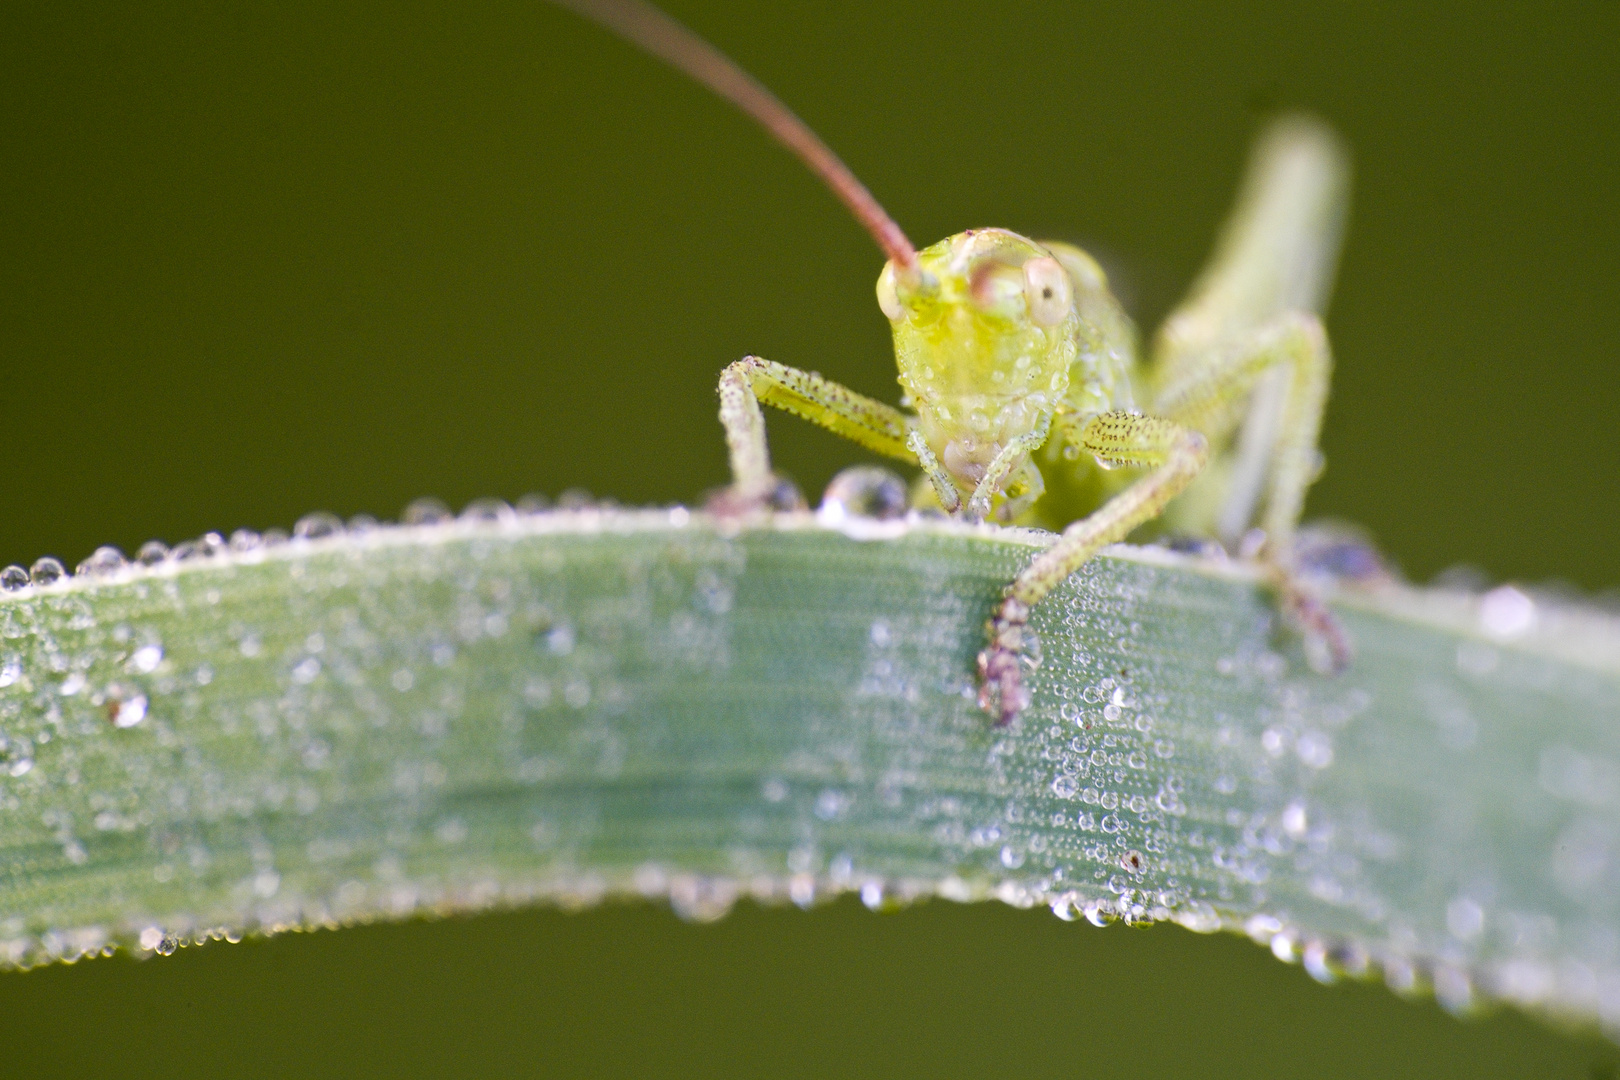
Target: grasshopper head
984, 333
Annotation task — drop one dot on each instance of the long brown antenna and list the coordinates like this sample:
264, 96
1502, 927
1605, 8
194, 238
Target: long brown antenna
646, 26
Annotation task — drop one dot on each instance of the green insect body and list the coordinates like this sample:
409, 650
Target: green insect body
1020, 367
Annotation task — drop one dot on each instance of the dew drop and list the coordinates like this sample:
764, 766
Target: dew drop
129, 712
1315, 958
318, 526
146, 658
47, 571
1464, 918
245, 540
1063, 786
532, 503
864, 491
1294, 819
13, 578
1315, 749
560, 639
493, 511
575, 499
1506, 612
831, 803
1452, 989
103, 562
426, 511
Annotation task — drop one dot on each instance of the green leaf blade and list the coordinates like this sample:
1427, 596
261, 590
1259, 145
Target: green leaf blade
577, 705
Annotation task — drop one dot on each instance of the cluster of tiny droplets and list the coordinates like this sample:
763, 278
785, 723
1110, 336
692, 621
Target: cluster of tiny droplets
108, 561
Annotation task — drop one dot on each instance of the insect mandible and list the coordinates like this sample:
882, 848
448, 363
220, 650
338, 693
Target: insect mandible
1028, 402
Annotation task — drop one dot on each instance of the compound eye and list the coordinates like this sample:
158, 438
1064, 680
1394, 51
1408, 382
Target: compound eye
888, 299
1046, 290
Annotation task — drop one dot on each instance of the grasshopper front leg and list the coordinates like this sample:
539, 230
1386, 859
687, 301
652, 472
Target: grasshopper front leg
1175, 453
752, 381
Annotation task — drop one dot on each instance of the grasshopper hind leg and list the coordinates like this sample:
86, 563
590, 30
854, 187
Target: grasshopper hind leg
1283, 367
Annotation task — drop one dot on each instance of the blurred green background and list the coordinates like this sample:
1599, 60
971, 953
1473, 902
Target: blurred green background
257, 260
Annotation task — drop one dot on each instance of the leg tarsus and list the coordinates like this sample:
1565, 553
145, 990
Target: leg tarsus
1012, 456
1002, 692
949, 499
1327, 646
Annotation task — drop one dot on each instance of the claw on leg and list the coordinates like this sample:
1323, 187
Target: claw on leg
1002, 692
1327, 646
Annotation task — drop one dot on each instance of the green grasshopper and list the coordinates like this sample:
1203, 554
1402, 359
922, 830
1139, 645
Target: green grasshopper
1021, 369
